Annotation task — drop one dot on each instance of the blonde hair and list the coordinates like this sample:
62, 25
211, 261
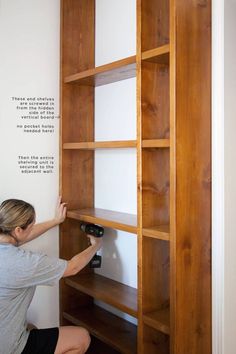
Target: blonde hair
13, 213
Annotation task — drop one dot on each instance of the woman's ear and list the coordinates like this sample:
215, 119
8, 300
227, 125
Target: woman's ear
17, 231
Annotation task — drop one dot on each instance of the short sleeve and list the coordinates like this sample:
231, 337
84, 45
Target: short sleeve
34, 269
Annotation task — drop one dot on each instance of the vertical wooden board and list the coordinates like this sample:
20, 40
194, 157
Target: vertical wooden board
155, 23
155, 342
72, 299
78, 23
155, 101
78, 179
77, 113
193, 170
156, 279
155, 187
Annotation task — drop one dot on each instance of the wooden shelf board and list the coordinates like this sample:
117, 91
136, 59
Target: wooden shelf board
107, 218
156, 143
102, 75
101, 145
111, 329
161, 232
160, 320
116, 294
157, 55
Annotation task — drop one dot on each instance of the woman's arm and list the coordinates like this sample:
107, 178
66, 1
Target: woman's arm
80, 260
41, 228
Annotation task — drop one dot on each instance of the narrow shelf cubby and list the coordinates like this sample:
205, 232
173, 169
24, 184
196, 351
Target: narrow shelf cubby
160, 320
154, 24
155, 101
155, 188
155, 342
156, 283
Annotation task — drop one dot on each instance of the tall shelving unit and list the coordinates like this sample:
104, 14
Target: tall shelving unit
173, 223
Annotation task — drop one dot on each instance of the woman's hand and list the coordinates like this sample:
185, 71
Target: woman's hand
95, 241
60, 212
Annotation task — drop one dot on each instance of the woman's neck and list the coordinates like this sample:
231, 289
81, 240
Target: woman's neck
7, 239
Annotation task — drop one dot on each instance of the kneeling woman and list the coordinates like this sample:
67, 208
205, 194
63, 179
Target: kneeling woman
21, 271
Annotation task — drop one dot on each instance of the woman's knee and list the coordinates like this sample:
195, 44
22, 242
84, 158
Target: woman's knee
84, 339
72, 338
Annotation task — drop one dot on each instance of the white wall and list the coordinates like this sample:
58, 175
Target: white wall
230, 178
29, 67
115, 119
218, 175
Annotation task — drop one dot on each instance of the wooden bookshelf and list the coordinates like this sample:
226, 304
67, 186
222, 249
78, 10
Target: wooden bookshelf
172, 67
158, 143
105, 74
108, 218
159, 320
158, 55
113, 330
161, 232
92, 145
118, 295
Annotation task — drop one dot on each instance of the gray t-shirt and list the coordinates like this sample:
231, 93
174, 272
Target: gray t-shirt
20, 272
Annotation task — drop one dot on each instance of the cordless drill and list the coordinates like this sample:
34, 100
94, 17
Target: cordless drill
96, 231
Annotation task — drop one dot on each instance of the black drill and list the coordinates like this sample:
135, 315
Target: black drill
96, 231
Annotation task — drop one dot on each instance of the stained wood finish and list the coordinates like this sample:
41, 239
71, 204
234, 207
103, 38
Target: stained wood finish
77, 114
106, 74
77, 124
101, 145
155, 101
160, 320
155, 187
154, 23
155, 275
156, 143
173, 174
108, 218
193, 171
116, 294
157, 55
99, 347
116, 332
155, 342
78, 19
161, 232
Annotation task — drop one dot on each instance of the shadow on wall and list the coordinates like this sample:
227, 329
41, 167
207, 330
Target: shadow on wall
111, 260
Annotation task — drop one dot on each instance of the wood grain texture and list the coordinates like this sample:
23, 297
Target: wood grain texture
155, 342
105, 74
160, 320
155, 101
155, 187
78, 40
108, 218
161, 232
101, 145
158, 143
193, 171
155, 23
157, 55
116, 332
77, 124
156, 278
116, 294
139, 178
